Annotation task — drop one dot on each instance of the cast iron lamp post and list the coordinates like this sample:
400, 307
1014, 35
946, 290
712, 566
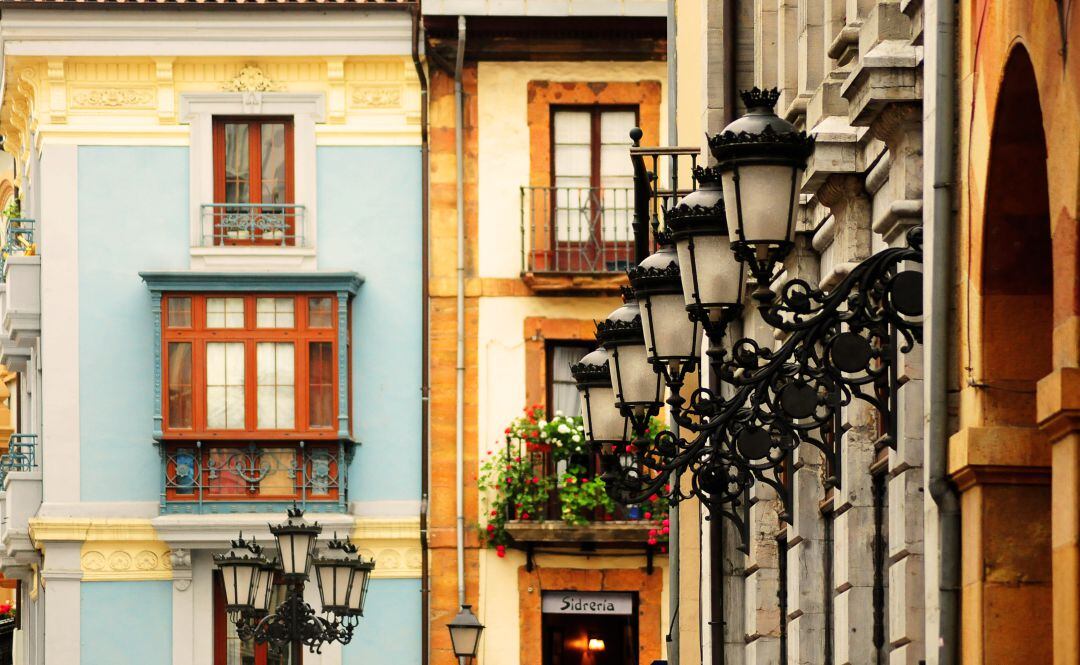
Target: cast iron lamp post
835, 347
341, 574
465, 632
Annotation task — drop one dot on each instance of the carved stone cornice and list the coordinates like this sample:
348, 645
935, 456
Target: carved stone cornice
839, 189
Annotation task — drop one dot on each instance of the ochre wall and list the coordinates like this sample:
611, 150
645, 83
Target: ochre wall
1016, 454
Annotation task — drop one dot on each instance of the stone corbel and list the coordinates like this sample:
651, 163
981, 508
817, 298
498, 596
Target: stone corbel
837, 147
336, 100
1058, 403
899, 126
57, 90
887, 70
848, 240
166, 96
180, 559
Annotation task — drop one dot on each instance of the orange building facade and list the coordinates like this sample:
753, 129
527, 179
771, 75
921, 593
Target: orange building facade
1015, 455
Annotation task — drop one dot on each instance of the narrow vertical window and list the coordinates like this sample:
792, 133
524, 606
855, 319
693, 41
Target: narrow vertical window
253, 181
321, 384
225, 385
180, 394
179, 312
320, 313
276, 396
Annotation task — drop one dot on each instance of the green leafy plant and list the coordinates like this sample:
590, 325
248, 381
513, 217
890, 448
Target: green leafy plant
580, 496
515, 487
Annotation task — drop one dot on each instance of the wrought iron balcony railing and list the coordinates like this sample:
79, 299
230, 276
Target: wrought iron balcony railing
19, 240
245, 477
574, 230
21, 455
258, 224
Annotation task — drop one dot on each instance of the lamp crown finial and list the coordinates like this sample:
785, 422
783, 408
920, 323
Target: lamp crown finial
760, 98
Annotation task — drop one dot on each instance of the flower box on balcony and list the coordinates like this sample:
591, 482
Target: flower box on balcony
610, 534
21, 321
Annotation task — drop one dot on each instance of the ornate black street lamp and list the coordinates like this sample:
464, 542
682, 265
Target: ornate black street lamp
605, 425
250, 577
836, 347
671, 338
638, 389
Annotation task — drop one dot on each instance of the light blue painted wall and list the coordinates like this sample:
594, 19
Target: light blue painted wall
125, 623
133, 215
389, 633
370, 221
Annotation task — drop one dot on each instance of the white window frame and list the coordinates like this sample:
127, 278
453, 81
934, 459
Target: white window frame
198, 110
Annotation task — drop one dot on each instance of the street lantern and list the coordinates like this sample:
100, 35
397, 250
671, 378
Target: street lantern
761, 158
250, 581
637, 387
713, 280
604, 423
240, 569
671, 337
337, 571
296, 543
465, 632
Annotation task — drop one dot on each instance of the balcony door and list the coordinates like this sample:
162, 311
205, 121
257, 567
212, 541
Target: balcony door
592, 187
253, 181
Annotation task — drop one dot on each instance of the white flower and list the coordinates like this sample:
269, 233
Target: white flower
563, 429
543, 434
542, 423
558, 414
576, 439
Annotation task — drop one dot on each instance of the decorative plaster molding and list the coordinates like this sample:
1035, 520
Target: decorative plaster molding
114, 98
394, 543
251, 79
375, 96
126, 560
180, 561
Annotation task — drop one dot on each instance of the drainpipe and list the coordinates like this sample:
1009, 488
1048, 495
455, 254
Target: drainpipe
459, 406
425, 389
940, 60
673, 515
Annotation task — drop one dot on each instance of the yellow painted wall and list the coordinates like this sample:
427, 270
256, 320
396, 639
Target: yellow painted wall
504, 145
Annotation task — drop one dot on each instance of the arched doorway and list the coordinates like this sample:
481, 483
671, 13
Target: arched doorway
1007, 601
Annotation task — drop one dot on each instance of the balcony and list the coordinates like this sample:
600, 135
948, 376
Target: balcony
253, 477
253, 225
576, 238
20, 294
20, 479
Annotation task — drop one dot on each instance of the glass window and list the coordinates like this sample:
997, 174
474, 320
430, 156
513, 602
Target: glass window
562, 389
179, 312
321, 384
274, 312
276, 397
225, 385
320, 313
180, 394
224, 312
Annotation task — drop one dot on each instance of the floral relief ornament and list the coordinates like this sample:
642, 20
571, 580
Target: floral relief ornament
251, 79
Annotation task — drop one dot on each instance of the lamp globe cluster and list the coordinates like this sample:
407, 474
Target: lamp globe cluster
740, 219
342, 575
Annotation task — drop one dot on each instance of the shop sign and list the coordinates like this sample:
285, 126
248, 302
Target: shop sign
577, 602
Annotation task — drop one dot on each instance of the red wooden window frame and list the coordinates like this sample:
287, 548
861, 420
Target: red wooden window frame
198, 335
254, 125
221, 630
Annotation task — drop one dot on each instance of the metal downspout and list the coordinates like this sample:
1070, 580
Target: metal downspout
425, 370
673, 514
459, 406
940, 60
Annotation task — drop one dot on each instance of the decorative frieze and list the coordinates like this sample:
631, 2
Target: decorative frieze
375, 96
126, 560
114, 98
251, 79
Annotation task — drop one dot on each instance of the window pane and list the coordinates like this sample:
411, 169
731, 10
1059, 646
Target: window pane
320, 313
274, 312
321, 384
237, 170
224, 312
225, 385
275, 366
180, 396
615, 127
179, 312
273, 163
564, 393
572, 126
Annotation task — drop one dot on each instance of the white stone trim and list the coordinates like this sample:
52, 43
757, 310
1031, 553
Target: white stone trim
88, 32
199, 109
58, 239
61, 577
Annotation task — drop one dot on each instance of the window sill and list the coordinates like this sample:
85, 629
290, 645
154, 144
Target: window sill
252, 258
